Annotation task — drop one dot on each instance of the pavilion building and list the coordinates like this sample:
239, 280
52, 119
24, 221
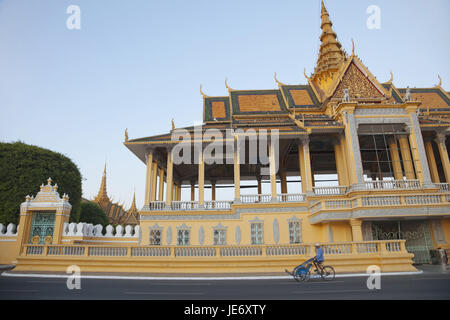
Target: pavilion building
385, 146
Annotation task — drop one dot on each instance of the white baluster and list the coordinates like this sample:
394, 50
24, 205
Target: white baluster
98, 230
109, 231
80, 229
72, 229
119, 231
137, 230
10, 229
128, 230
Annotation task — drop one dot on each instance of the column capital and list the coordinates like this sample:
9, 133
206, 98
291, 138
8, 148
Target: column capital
356, 222
441, 137
304, 139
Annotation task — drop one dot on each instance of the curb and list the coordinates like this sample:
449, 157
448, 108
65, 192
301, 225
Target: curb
105, 277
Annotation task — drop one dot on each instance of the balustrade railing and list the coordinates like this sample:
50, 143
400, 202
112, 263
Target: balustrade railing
392, 184
157, 205
185, 205
443, 187
256, 198
423, 199
343, 248
381, 201
218, 205
329, 191
338, 204
291, 197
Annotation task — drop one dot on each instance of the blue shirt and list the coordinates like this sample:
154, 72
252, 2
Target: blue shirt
319, 255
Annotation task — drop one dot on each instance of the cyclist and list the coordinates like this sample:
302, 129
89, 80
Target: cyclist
319, 255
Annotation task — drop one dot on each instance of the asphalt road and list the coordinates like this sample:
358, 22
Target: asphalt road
432, 286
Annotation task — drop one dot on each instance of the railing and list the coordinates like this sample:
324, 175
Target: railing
337, 204
157, 205
381, 201
443, 187
218, 205
343, 248
291, 197
392, 184
329, 191
256, 198
423, 199
184, 205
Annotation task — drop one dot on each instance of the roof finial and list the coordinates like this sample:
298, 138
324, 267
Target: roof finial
173, 124
391, 79
306, 76
202, 93
353, 48
126, 134
440, 81
226, 85
276, 80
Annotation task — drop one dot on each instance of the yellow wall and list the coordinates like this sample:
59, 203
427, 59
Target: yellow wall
9, 250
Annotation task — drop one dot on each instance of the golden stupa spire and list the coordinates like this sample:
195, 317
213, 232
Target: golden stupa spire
102, 194
133, 207
331, 56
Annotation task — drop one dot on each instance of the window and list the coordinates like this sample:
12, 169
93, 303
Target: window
256, 230
295, 232
155, 237
183, 237
219, 236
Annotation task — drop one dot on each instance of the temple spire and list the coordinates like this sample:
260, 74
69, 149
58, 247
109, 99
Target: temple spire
133, 207
102, 194
331, 56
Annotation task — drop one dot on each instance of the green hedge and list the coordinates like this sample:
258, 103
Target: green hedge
23, 168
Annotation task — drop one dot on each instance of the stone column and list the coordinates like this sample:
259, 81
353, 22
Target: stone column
213, 190
440, 140
169, 184
237, 173
154, 179
201, 178
305, 166
418, 148
340, 163
148, 178
161, 184
356, 230
192, 191
406, 156
283, 182
352, 141
395, 159
258, 179
273, 171
432, 161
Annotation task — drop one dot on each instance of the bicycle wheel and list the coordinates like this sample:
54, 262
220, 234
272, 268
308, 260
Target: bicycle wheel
328, 273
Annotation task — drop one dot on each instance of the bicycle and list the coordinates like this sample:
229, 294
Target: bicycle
302, 272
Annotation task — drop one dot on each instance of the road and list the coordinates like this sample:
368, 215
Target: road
428, 285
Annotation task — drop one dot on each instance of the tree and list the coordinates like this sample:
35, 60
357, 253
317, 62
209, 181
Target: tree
23, 168
92, 213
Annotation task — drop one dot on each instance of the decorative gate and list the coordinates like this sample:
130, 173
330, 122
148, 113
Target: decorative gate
416, 233
42, 226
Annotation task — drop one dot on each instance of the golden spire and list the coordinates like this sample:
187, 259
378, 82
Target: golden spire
331, 56
133, 207
102, 194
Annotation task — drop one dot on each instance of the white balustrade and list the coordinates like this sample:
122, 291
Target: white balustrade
108, 251
423, 199
150, 252
443, 187
241, 251
184, 205
157, 205
284, 250
256, 198
291, 197
218, 205
9, 230
381, 201
392, 184
195, 252
329, 191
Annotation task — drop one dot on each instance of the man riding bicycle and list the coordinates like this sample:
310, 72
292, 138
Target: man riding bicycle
319, 255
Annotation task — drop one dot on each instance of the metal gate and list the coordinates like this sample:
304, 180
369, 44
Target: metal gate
43, 225
416, 233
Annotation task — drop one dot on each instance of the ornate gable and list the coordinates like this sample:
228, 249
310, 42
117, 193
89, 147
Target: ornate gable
359, 84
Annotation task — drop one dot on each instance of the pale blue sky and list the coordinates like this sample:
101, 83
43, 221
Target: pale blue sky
136, 64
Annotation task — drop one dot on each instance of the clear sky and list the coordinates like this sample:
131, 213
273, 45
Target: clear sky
137, 64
